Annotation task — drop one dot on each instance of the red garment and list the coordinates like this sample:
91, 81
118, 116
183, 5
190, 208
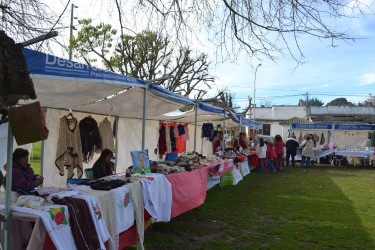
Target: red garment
181, 145
162, 140
279, 147
271, 153
242, 143
217, 144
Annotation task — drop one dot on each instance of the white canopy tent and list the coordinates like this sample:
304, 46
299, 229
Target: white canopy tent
64, 84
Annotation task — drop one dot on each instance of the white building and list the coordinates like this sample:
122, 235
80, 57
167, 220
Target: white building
277, 119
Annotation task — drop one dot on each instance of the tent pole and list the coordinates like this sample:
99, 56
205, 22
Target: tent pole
239, 127
224, 130
42, 149
8, 201
195, 126
116, 141
144, 117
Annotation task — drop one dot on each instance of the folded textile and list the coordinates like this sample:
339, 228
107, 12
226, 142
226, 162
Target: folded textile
157, 195
30, 201
81, 223
107, 185
136, 195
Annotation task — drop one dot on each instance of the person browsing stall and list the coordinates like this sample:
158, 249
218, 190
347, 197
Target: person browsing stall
307, 151
291, 149
23, 177
216, 140
103, 166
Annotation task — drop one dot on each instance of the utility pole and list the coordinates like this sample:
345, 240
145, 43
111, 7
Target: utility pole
71, 30
307, 105
255, 79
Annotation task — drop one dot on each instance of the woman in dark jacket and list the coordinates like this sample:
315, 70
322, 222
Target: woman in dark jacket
23, 177
103, 166
291, 149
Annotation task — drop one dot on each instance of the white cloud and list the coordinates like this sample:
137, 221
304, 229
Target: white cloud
367, 79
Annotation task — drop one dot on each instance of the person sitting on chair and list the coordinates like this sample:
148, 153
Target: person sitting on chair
103, 166
23, 177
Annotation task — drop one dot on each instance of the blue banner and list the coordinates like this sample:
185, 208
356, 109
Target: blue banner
234, 116
169, 95
354, 126
311, 126
210, 108
44, 64
251, 123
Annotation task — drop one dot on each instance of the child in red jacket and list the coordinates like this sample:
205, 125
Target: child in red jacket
279, 150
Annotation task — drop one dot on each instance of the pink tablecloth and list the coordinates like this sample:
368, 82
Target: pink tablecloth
188, 190
215, 167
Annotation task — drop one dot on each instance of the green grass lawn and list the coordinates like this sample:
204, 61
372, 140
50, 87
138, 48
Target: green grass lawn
319, 208
35, 157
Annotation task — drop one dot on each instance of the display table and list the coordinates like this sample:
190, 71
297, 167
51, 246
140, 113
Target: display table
318, 153
188, 190
359, 154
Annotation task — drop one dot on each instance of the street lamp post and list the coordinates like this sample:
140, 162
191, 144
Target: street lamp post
255, 79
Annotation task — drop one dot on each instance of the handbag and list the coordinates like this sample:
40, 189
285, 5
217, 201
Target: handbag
28, 123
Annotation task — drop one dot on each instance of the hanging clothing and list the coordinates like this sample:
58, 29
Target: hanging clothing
168, 138
181, 129
81, 223
175, 131
69, 149
162, 144
173, 139
207, 130
90, 138
185, 136
106, 135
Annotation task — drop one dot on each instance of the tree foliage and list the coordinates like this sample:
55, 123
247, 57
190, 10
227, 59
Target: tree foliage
370, 101
312, 102
261, 28
146, 55
341, 101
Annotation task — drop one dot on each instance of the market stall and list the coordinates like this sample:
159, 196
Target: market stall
101, 96
347, 140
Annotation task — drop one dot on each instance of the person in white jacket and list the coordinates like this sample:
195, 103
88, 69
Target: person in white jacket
261, 152
307, 151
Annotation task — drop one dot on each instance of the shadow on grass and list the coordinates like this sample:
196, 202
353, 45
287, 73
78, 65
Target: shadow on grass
294, 209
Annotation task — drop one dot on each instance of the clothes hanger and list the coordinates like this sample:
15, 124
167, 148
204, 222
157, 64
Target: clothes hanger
70, 114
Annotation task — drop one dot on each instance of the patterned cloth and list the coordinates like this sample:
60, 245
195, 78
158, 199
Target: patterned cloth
69, 149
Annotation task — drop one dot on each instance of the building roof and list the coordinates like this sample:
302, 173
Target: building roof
295, 120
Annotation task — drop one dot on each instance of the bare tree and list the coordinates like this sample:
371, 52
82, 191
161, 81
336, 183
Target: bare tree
261, 28
26, 19
146, 55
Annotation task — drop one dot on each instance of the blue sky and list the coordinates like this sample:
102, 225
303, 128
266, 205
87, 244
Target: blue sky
347, 70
